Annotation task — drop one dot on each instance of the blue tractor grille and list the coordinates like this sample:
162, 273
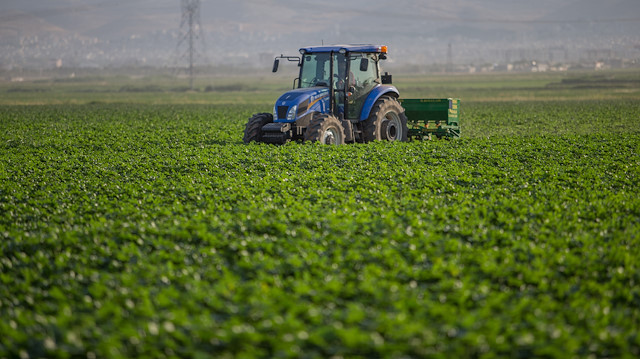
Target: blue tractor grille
282, 111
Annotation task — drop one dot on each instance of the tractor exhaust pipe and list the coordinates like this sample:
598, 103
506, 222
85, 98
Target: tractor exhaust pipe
331, 90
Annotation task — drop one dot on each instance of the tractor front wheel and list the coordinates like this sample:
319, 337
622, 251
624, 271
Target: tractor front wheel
253, 128
325, 129
387, 121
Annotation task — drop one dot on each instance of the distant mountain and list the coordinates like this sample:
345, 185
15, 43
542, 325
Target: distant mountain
119, 18
103, 19
597, 11
17, 23
420, 30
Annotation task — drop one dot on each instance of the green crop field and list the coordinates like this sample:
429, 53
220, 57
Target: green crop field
135, 223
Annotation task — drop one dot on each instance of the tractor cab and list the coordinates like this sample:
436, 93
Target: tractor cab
352, 78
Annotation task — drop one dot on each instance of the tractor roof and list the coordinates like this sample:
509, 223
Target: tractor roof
348, 48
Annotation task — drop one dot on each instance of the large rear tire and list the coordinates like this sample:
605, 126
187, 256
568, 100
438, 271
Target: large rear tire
253, 128
387, 121
325, 129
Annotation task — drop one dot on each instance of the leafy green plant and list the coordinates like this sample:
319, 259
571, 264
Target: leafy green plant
130, 230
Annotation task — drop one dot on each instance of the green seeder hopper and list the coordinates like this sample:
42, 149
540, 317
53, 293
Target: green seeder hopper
427, 117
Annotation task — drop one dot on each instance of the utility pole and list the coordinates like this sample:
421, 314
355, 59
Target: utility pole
191, 30
449, 58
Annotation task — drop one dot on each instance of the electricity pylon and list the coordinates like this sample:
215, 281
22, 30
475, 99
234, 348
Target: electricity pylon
190, 31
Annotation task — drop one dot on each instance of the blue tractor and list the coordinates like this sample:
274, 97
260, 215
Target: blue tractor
340, 96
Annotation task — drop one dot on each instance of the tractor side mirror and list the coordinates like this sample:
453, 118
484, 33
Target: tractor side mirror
276, 62
364, 64
386, 79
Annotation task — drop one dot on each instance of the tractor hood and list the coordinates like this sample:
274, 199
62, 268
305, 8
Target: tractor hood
300, 102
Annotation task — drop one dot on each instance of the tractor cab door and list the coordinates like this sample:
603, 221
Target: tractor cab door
363, 77
316, 71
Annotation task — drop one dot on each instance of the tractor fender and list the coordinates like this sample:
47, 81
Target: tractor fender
374, 95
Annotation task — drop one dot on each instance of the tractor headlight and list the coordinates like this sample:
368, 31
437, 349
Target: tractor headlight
291, 115
275, 112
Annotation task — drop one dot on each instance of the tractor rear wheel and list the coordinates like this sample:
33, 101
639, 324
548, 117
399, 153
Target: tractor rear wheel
253, 128
387, 121
325, 129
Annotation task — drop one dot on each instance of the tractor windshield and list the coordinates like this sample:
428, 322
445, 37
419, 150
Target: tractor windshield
316, 67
